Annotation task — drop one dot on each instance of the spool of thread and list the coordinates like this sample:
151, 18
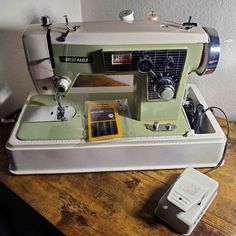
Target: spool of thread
152, 16
127, 16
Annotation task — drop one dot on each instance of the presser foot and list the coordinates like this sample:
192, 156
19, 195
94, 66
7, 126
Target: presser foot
61, 113
60, 108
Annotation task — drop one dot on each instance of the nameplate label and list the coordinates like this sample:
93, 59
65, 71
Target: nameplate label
73, 59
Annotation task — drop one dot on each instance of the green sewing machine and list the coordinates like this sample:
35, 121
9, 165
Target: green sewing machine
139, 124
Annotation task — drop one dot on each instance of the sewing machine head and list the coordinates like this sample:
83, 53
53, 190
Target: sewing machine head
160, 55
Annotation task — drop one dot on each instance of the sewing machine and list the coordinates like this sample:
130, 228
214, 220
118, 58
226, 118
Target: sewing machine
143, 124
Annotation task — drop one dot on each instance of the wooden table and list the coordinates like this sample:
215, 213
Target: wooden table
119, 203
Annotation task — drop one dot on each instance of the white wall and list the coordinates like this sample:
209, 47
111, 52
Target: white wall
220, 87
15, 83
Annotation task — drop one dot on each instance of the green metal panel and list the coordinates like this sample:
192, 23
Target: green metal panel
146, 110
143, 111
168, 110
72, 129
95, 52
76, 129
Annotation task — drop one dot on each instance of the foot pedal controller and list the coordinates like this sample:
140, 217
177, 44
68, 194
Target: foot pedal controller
183, 205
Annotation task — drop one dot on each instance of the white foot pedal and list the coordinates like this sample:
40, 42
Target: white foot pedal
183, 205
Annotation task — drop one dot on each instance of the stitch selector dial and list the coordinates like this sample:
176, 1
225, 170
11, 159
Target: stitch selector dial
165, 87
144, 64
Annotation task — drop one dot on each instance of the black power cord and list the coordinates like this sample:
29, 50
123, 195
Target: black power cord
227, 136
195, 114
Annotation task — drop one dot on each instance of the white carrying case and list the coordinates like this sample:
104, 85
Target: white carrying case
140, 153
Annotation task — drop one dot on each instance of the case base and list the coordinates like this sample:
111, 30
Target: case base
135, 153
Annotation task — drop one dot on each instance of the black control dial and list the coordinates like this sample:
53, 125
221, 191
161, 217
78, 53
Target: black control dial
144, 64
165, 87
169, 62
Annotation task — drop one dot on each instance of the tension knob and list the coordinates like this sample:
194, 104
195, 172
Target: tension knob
166, 88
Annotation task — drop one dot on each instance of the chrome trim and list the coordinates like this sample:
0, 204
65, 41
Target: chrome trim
211, 53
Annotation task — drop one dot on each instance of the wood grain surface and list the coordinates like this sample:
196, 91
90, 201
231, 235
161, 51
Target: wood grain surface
96, 81
119, 203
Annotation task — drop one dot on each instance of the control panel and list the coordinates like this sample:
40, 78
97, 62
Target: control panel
163, 67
